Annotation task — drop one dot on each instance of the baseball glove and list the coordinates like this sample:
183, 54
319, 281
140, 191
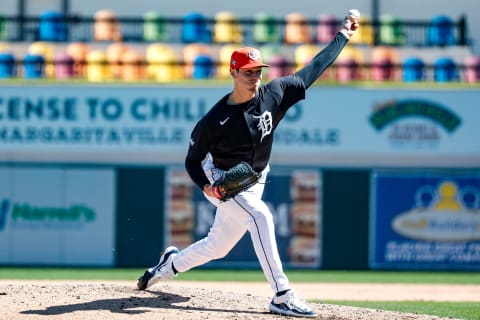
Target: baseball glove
235, 180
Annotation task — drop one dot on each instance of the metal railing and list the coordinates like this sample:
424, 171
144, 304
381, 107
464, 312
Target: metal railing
132, 29
178, 71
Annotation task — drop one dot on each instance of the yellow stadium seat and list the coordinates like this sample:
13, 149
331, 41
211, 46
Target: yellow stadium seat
163, 63
225, 53
227, 28
97, 66
365, 34
304, 53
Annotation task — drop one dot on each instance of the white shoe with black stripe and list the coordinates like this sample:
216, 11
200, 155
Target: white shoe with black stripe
162, 271
290, 305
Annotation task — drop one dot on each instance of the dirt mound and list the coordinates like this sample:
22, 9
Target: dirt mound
115, 301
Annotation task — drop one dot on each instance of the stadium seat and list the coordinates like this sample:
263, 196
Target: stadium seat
203, 67
3, 28
133, 66
225, 53
190, 52
266, 29
63, 65
195, 28
383, 62
441, 31
391, 31
78, 51
114, 53
47, 50
327, 28
472, 69
154, 27
4, 47
280, 66
269, 51
348, 64
413, 69
445, 70
297, 29
303, 54
106, 26
97, 66
7, 65
163, 64
365, 34
227, 28
53, 26
34, 66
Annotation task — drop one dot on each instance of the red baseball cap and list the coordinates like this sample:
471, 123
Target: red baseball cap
246, 58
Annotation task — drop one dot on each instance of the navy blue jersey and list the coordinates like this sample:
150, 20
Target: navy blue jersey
244, 132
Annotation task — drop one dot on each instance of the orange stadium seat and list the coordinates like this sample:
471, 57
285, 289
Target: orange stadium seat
114, 53
383, 63
106, 26
133, 66
297, 29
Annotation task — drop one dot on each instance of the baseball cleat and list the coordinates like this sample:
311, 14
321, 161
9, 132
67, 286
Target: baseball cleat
289, 304
162, 271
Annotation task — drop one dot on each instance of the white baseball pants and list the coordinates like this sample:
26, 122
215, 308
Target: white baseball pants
245, 212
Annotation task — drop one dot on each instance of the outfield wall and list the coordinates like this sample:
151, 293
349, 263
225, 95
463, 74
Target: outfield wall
361, 177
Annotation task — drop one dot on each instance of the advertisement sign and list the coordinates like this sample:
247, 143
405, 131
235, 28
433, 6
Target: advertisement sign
53, 216
293, 197
151, 124
425, 221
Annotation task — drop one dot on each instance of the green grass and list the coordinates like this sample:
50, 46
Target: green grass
247, 275
458, 310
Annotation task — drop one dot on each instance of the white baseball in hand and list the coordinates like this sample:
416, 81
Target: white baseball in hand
354, 13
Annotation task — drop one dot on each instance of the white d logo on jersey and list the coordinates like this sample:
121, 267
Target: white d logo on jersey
265, 124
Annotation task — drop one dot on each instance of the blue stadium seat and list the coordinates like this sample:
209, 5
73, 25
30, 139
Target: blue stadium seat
203, 67
7, 65
195, 28
34, 66
53, 27
445, 70
441, 31
413, 69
